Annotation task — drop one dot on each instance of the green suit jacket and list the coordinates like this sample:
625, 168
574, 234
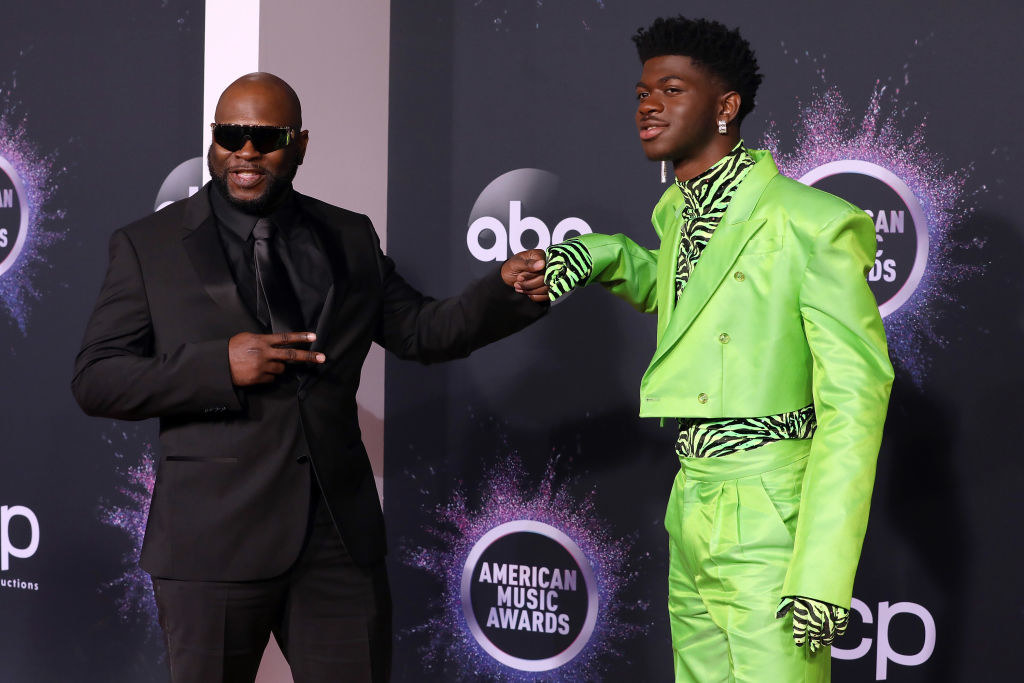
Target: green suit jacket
776, 314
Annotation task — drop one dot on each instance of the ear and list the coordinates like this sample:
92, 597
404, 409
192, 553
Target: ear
729, 106
303, 140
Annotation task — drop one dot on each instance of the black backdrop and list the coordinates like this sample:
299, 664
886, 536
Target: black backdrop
482, 88
107, 98
98, 105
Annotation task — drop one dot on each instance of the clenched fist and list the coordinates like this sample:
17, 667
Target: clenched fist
525, 273
259, 358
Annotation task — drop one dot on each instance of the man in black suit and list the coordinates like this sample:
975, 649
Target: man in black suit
265, 517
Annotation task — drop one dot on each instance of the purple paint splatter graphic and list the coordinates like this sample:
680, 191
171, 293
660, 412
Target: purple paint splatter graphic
506, 494
825, 131
135, 601
38, 174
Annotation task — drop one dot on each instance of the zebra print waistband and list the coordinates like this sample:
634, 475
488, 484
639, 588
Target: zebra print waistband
713, 438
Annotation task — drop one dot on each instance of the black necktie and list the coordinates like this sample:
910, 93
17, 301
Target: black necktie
276, 304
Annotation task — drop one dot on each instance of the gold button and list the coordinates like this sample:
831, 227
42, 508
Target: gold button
724, 338
740, 277
702, 398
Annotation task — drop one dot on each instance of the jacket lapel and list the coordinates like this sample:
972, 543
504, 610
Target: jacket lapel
202, 244
329, 337
721, 252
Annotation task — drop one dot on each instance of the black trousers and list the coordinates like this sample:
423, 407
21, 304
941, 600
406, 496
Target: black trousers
331, 618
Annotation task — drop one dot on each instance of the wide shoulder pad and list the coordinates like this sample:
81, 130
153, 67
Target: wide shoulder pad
804, 204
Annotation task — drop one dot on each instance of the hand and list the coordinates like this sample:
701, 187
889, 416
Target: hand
814, 622
569, 266
259, 358
524, 272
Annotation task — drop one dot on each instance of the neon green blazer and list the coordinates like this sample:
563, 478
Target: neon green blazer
776, 314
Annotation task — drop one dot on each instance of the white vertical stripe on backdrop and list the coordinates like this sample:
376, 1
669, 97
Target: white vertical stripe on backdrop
231, 49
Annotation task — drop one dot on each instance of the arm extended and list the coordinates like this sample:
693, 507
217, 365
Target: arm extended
616, 262
418, 327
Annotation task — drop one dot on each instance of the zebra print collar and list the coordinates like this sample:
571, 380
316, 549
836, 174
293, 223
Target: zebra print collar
705, 191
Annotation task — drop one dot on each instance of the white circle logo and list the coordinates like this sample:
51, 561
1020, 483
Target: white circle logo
902, 254
181, 183
13, 216
529, 595
506, 217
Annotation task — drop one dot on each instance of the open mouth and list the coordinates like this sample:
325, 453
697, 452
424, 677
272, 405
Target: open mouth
246, 179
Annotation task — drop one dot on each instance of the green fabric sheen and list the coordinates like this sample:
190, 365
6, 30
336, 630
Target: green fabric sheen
731, 523
706, 198
802, 326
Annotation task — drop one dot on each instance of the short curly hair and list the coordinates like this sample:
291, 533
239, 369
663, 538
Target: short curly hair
724, 53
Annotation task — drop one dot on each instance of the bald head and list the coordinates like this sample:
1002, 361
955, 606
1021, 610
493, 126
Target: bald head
256, 181
260, 99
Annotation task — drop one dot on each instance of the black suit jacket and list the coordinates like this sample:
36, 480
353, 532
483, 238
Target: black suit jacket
231, 499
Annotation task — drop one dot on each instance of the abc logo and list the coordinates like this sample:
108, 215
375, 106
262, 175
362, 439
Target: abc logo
8, 548
497, 224
181, 183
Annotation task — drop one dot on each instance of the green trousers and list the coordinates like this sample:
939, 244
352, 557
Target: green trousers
731, 524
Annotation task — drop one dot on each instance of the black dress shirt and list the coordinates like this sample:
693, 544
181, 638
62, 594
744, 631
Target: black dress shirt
295, 242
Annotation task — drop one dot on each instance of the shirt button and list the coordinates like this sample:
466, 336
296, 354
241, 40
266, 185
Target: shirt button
702, 398
302, 459
740, 277
724, 338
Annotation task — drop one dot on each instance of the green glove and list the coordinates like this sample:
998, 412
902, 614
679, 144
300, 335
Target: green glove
818, 623
568, 266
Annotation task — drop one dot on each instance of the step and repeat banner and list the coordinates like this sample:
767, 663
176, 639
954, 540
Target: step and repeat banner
98, 111
525, 499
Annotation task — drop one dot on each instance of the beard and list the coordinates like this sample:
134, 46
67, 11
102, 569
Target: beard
275, 187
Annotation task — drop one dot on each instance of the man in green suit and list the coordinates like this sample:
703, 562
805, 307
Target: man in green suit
771, 357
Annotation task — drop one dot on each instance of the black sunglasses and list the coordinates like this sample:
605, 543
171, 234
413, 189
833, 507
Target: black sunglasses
266, 139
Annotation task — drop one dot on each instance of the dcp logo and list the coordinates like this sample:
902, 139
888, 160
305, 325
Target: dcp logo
16, 544
529, 595
13, 215
497, 224
884, 652
901, 229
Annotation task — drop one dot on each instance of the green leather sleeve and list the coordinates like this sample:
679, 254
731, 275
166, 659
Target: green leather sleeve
851, 379
624, 268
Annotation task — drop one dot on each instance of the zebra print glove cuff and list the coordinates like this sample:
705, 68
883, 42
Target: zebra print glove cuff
569, 264
814, 622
